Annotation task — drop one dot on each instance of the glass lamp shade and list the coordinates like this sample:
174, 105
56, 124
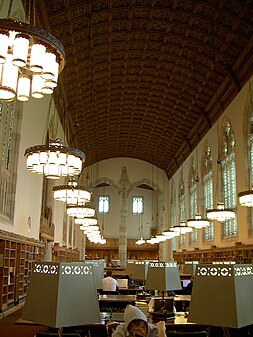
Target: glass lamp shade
54, 160
86, 221
161, 238
182, 228
81, 211
23, 92
140, 241
198, 222
8, 80
21, 56
90, 230
170, 233
4, 41
152, 240
72, 194
246, 198
220, 213
20, 50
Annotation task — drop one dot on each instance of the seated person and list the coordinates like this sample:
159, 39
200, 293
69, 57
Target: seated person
136, 324
188, 288
109, 283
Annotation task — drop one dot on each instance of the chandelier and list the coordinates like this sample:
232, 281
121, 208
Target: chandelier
246, 198
72, 194
54, 160
220, 213
81, 211
140, 241
86, 221
30, 59
198, 222
182, 228
170, 234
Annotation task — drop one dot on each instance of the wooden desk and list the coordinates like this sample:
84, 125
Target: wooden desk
115, 303
182, 302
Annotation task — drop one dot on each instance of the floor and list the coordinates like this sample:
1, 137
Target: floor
8, 328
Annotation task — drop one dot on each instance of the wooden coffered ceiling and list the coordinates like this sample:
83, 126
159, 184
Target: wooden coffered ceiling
147, 79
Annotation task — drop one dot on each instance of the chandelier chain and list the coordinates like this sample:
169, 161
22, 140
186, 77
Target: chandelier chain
47, 122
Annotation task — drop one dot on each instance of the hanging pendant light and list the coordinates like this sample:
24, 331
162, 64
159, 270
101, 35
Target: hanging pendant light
54, 160
86, 221
220, 213
81, 211
246, 198
72, 193
182, 228
170, 233
30, 59
198, 222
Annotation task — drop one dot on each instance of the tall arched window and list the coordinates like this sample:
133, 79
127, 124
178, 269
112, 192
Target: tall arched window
181, 198
193, 200
173, 205
208, 190
229, 177
250, 142
8, 144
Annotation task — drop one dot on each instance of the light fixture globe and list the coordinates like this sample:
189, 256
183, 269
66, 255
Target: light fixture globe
54, 160
30, 61
198, 222
86, 221
182, 228
246, 198
72, 193
170, 234
220, 213
140, 241
81, 211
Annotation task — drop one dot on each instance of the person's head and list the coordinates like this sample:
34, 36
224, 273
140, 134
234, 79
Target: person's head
109, 273
136, 321
138, 327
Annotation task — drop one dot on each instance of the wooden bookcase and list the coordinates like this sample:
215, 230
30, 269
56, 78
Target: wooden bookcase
238, 253
17, 255
64, 254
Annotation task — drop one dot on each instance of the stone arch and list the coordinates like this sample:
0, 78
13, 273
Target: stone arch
108, 181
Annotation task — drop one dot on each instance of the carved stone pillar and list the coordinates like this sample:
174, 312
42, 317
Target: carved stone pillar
124, 183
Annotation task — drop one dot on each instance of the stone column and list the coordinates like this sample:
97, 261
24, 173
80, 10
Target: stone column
123, 183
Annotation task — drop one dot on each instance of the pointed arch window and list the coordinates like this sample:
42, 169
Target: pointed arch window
193, 200
229, 177
8, 145
173, 204
208, 190
181, 207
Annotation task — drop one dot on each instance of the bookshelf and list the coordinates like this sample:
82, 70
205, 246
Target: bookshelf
64, 254
17, 254
239, 253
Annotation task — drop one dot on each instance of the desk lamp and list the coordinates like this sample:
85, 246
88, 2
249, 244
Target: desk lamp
137, 269
62, 294
189, 267
98, 271
222, 296
163, 276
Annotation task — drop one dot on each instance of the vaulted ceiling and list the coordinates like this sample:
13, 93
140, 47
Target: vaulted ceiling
147, 79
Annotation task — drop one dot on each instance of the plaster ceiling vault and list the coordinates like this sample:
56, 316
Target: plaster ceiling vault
147, 79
